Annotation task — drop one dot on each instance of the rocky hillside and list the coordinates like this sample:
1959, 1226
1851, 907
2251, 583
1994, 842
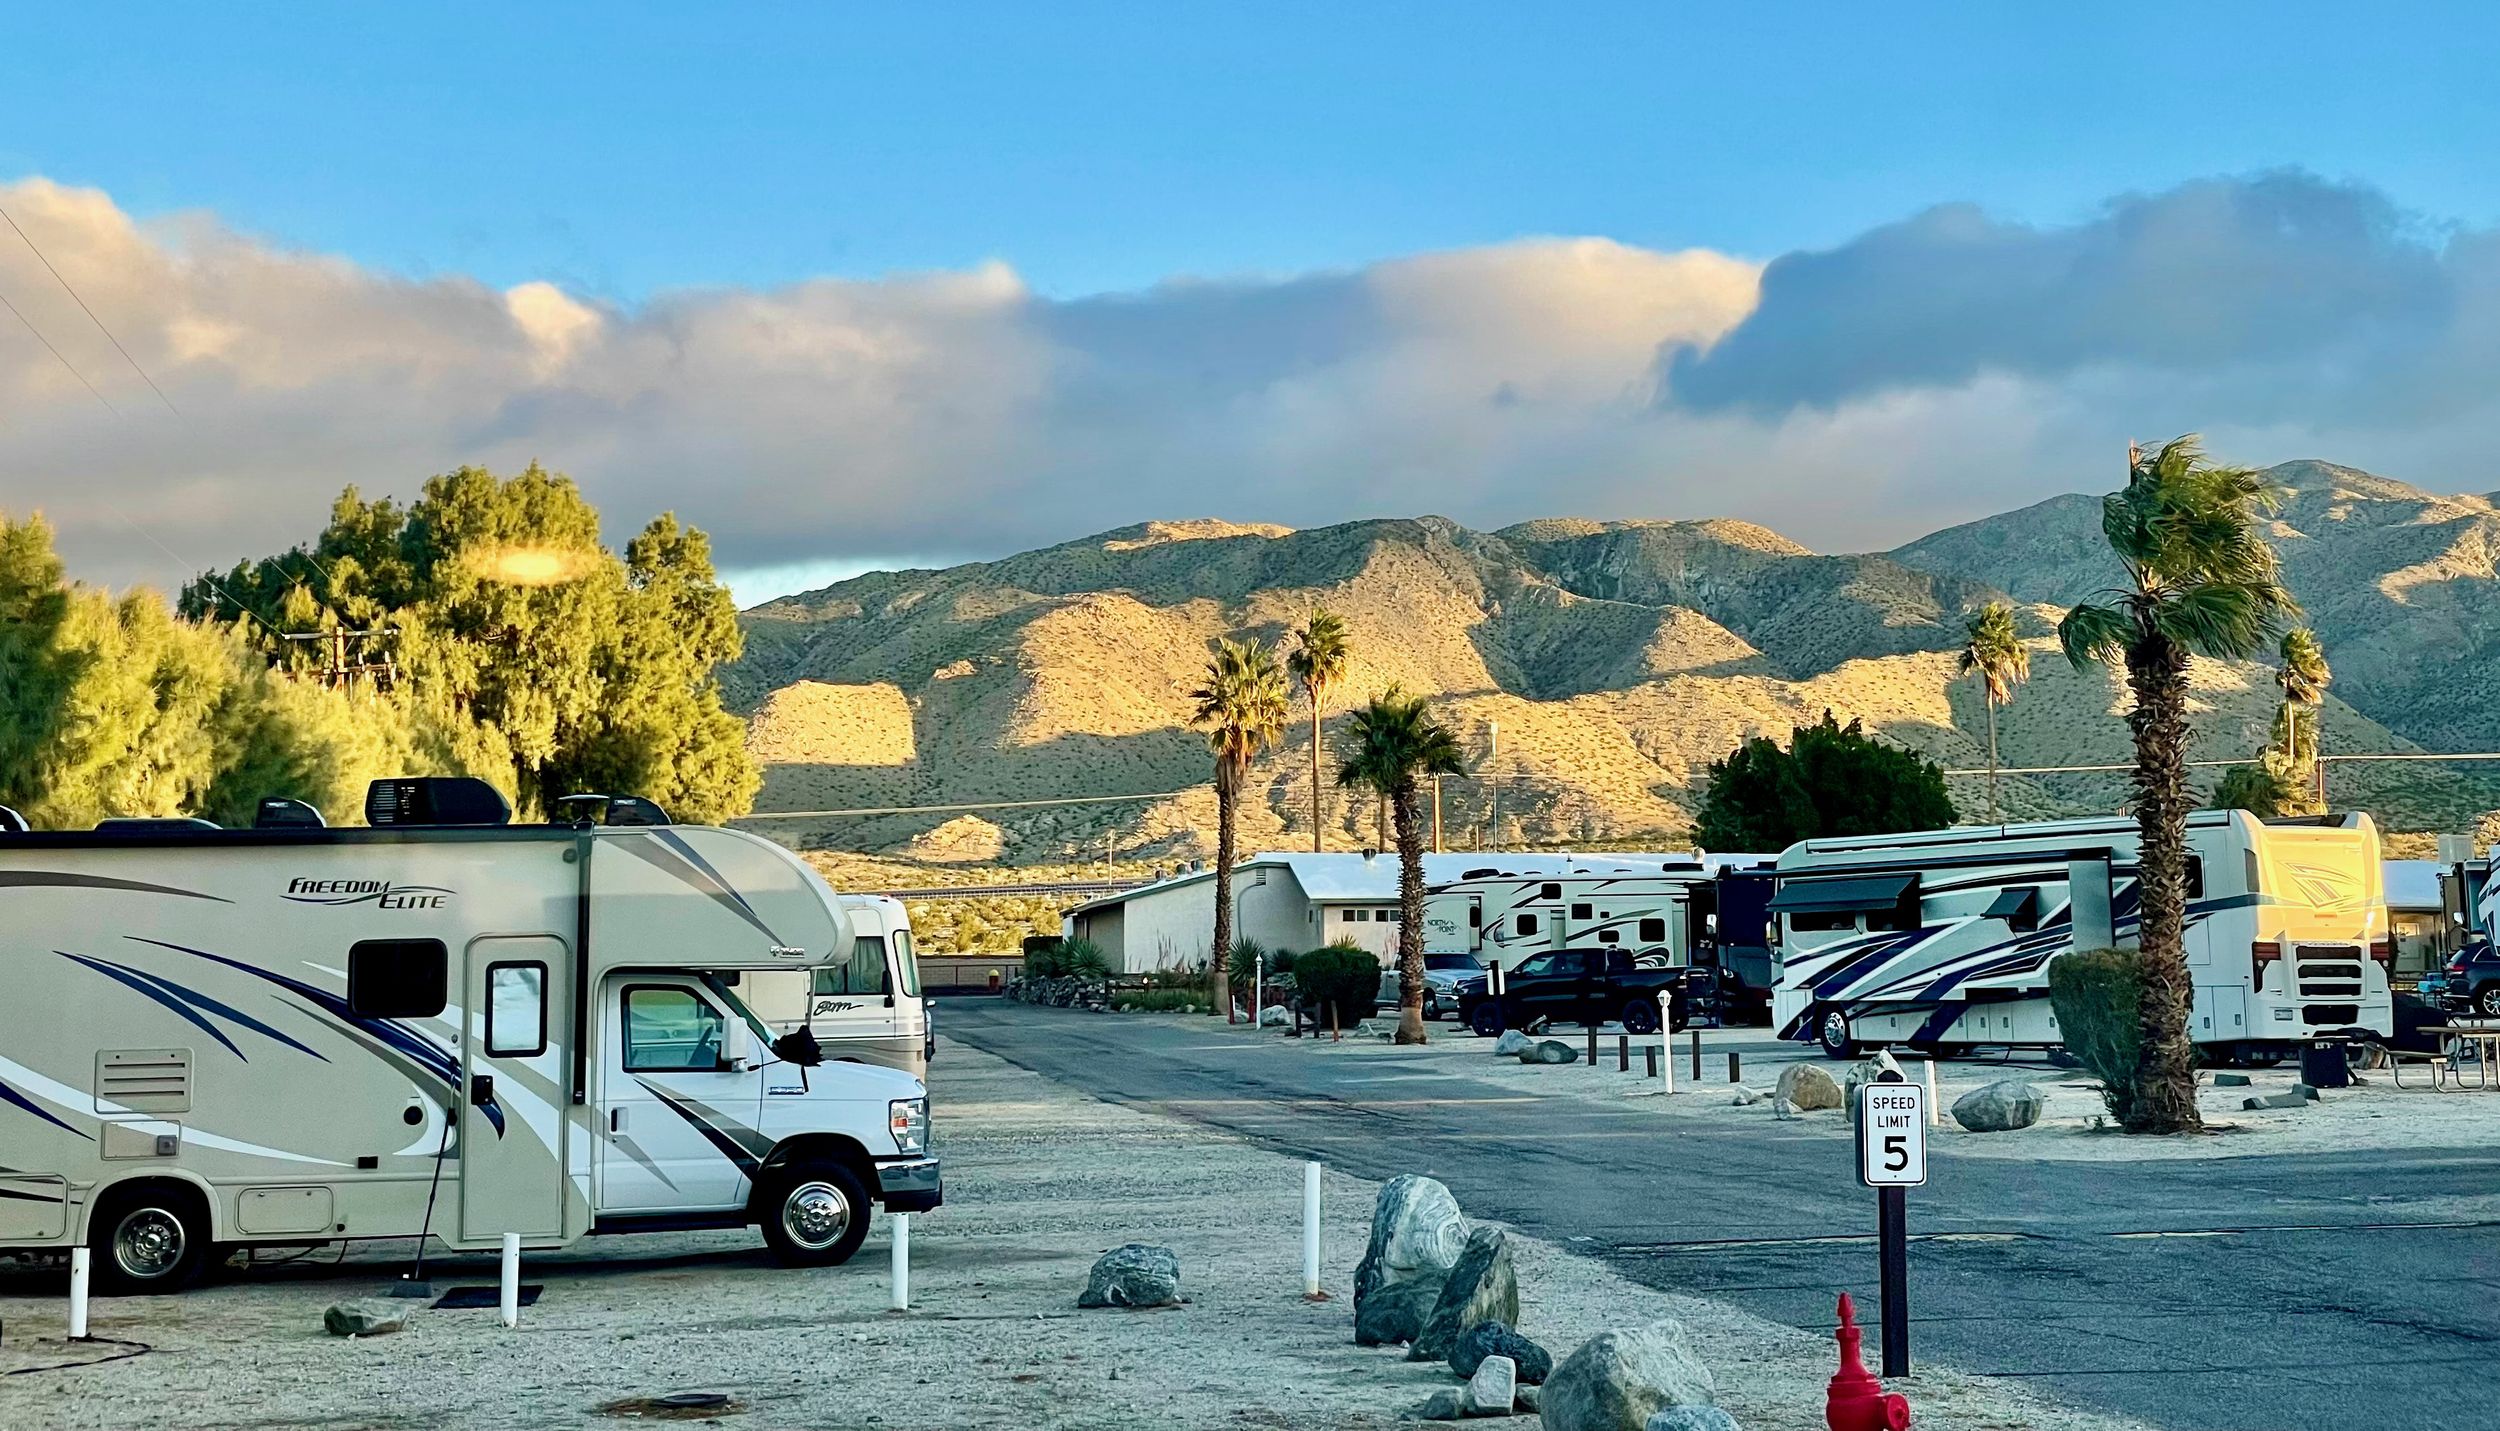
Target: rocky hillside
1617, 659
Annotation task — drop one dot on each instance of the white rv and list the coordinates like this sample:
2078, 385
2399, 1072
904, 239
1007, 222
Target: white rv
1943, 939
864, 1008
1496, 914
444, 1024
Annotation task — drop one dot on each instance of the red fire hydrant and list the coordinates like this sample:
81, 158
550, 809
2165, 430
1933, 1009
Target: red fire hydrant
1856, 1401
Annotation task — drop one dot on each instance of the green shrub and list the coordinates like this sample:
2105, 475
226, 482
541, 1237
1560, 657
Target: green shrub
2095, 994
1192, 977
1084, 959
1339, 977
1280, 962
1048, 962
1161, 1001
1243, 963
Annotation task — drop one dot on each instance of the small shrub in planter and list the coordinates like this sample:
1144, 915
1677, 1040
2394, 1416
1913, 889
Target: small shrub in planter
1338, 977
1083, 959
2095, 994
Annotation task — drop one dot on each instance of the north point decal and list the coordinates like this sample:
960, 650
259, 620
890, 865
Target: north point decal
380, 893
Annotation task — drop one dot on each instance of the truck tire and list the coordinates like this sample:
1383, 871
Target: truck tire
1831, 1029
1639, 1016
1487, 1020
2487, 1001
149, 1238
813, 1214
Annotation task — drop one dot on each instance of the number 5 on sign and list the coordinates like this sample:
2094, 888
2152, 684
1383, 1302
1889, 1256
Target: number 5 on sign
1892, 1135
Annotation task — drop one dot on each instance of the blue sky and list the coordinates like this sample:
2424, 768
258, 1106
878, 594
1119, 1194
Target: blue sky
620, 149
851, 287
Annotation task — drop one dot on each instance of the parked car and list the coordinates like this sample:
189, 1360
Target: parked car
1443, 973
1576, 986
2471, 982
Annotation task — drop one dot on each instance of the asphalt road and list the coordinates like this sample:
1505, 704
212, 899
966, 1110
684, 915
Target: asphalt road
2236, 1294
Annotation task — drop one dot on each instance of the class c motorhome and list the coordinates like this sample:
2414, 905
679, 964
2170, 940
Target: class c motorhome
1943, 939
445, 1024
866, 1007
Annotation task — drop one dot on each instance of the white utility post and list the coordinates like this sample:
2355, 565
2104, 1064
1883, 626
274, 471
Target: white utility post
81, 1264
1258, 992
901, 1298
511, 1300
1666, 1039
1935, 1109
1310, 1230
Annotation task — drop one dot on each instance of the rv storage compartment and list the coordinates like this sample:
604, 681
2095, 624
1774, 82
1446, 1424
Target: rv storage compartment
33, 1209
263, 1212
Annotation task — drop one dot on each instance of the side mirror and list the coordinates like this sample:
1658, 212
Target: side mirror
737, 1045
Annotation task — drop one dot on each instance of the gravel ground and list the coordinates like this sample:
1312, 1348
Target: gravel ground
1040, 1181
2375, 1114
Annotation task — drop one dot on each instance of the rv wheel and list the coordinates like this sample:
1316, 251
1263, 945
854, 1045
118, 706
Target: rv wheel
152, 1238
814, 1214
1833, 1031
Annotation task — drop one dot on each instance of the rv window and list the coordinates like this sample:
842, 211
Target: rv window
2196, 877
1579, 911
1549, 891
670, 1030
516, 1010
1821, 920
1609, 936
1475, 916
1527, 924
906, 964
1653, 930
397, 978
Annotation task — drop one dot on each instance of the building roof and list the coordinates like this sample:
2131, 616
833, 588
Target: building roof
2413, 884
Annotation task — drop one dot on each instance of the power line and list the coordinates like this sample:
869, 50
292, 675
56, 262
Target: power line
98, 322
2218, 764
55, 352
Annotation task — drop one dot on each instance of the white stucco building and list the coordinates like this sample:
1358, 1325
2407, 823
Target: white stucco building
1282, 900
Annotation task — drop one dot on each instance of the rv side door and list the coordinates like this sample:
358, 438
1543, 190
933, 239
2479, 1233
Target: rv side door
514, 1136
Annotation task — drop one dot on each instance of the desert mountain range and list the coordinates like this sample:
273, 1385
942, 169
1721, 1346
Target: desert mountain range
1618, 659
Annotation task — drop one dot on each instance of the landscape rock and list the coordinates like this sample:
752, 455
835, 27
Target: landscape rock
1442, 1405
1530, 1398
1690, 1418
2000, 1107
1807, 1087
1275, 1016
1511, 1044
1394, 1313
1530, 1362
1135, 1275
1382, 1030
1618, 1379
1782, 1109
2232, 1080
2274, 1100
1493, 1390
1549, 1050
1417, 1236
1483, 1286
364, 1319
1744, 1097
1862, 1074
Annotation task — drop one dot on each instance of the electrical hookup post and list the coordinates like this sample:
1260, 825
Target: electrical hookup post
1892, 1159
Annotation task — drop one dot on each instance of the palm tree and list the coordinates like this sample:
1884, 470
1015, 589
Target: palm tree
1992, 651
2200, 581
2304, 678
1242, 704
1318, 661
1392, 746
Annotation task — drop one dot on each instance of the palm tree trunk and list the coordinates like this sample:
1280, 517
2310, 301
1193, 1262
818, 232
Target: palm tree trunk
1410, 917
1995, 815
1223, 897
2165, 1075
1315, 828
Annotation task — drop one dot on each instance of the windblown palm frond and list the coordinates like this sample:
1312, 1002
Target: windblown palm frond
1395, 742
1993, 651
2303, 674
1241, 701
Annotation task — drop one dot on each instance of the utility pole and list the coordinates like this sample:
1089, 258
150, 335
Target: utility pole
337, 670
1493, 780
1436, 814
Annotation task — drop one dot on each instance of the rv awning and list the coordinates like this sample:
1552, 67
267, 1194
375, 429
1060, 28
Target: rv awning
2020, 901
1842, 896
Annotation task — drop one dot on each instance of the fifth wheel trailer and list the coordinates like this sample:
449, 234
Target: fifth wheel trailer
444, 1024
1944, 938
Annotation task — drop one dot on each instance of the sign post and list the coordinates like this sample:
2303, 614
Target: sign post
1892, 1158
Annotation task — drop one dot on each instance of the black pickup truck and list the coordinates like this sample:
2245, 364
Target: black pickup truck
1576, 986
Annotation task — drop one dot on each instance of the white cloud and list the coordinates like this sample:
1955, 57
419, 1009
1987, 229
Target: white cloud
1928, 372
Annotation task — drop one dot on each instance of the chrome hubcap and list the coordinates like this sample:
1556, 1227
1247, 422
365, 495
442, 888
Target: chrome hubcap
1835, 1030
816, 1215
148, 1243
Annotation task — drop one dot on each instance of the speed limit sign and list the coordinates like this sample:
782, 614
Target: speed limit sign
1892, 1135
